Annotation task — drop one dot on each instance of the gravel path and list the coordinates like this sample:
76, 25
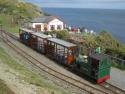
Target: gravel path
117, 78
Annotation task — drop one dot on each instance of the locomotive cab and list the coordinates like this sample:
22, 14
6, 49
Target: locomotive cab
100, 67
95, 65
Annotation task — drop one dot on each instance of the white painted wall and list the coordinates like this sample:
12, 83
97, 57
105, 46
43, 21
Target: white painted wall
55, 22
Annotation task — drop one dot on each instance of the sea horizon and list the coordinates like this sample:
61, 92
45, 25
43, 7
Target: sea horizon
84, 8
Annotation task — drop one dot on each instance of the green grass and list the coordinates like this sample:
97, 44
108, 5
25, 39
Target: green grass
28, 75
4, 89
14, 13
6, 21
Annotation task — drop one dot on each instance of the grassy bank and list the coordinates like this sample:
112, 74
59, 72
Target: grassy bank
4, 89
15, 13
6, 21
28, 75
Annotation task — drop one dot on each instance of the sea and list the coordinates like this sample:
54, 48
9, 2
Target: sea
111, 20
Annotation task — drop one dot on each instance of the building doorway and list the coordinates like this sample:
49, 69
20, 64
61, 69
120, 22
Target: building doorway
37, 28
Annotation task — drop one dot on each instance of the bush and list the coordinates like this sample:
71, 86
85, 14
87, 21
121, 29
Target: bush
122, 67
62, 34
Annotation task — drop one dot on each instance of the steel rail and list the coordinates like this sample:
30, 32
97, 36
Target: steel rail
112, 88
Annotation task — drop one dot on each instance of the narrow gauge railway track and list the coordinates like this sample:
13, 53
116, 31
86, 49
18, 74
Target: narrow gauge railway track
114, 89
74, 82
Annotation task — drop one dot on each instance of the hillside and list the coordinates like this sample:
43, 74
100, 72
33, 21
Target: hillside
14, 13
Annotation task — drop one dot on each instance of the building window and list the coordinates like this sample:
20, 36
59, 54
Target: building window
59, 27
52, 27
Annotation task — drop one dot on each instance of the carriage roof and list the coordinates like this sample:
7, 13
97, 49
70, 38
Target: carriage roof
41, 35
27, 30
62, 42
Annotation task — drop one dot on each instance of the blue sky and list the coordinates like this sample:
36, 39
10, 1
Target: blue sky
107, 4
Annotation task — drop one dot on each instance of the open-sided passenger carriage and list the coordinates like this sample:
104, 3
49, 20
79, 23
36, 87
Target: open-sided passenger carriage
62, 51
